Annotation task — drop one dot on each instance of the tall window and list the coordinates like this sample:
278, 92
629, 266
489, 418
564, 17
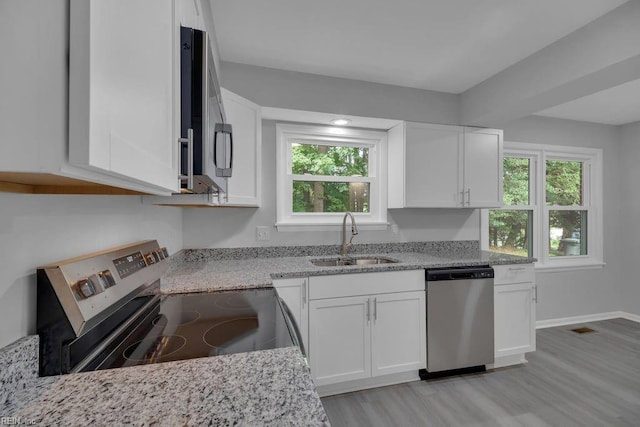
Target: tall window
324, 172
566, 209
511, 228
552, 204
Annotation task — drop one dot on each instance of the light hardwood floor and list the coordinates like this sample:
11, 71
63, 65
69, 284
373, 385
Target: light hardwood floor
591, 379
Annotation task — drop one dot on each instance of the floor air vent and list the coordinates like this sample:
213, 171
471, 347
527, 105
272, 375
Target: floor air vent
583, 330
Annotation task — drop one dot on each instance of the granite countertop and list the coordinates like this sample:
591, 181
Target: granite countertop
211, 270
270, 387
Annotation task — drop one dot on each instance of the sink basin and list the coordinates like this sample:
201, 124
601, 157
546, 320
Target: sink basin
366, 261
351, 261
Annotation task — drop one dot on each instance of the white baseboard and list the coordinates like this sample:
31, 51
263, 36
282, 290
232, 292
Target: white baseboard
631, 316
513, 359
363, 384
563, 321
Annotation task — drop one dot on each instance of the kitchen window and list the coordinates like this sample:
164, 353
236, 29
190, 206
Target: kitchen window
324, 172
552, 206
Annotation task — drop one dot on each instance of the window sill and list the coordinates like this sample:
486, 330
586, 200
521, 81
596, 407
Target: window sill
331, 226
591, 265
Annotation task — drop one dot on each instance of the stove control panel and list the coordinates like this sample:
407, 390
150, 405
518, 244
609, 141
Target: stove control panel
103, 281
129, 264
94, 284
156, 256
126, 265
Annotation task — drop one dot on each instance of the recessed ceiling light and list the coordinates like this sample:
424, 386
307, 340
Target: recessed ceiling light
340, 122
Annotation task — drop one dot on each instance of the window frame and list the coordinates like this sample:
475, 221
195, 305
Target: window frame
592, 203
374, 141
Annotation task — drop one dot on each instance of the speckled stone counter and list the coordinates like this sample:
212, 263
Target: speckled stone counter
18, 366
216, 269
270, 387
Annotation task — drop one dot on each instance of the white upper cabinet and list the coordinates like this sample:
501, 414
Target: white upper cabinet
244, 188
442, 166
482, 167
112, 61
121, 91
189, 14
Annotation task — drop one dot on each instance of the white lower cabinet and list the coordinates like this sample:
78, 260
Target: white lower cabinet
398, 333
515, 296
294, 293
340, 345
359, 339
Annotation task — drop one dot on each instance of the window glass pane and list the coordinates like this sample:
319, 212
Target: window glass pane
567, 233
510, 232
564, 181
515, 181
329, 160
314, 196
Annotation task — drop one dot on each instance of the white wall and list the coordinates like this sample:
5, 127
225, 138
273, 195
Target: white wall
630, 216
38, 229
565, 294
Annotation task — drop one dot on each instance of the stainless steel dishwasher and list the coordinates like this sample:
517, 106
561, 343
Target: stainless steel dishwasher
459, 320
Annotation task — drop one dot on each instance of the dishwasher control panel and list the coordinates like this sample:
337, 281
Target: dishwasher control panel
459, 273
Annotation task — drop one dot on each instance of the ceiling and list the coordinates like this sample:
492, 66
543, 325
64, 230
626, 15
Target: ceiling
441, 45
615, 106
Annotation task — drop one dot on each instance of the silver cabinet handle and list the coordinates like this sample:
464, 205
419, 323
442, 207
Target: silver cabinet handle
468, 196
189, 141
462, 197
368, 311
304, 293
375, 309
516, 269
535, 294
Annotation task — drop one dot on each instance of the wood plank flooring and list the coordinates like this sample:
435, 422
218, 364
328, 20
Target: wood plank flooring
572, 379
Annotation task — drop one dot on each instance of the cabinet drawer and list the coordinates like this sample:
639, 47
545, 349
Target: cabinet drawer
515, 273
346, 285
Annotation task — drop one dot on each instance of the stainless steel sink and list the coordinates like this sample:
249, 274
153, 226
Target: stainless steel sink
351, 261
367, 261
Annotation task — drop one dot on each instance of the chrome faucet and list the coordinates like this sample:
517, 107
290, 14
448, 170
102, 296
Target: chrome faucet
346, 247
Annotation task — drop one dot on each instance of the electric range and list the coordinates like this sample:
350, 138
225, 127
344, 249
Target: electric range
104, 310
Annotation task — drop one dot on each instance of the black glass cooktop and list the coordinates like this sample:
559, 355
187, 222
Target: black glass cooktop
186, 326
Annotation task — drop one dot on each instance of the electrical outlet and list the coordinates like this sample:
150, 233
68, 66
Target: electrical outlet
262, 234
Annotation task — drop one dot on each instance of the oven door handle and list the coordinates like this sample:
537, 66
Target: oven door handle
293, 327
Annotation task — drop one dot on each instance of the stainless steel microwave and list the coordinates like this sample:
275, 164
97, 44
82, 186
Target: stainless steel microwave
206, 139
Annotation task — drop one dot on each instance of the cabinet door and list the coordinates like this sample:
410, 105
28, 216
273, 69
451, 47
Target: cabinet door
340, 339
121, 90
244, 188
515, 319
482, 168
294, 293
399, 333
432, 157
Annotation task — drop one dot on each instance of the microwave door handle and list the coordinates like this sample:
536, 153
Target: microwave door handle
189, 141
230, 150
215, 148
190, 159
